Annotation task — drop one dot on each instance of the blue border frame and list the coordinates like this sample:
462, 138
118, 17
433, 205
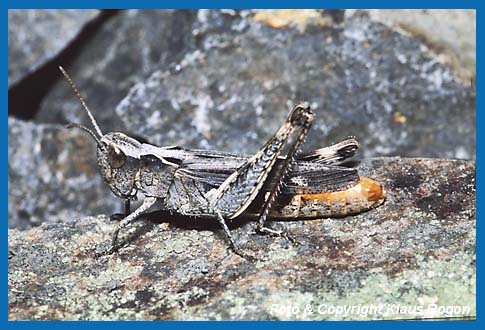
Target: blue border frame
354, 4
410, 4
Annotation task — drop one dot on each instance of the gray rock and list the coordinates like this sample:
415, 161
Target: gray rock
125, 50
418, 249
36, 36
362, 77
52, 175
449, 32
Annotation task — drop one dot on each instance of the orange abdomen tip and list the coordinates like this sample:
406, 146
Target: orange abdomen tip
373, 191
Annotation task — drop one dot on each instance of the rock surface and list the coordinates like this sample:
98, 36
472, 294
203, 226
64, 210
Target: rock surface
125, 50
404, 100
361, 77
36, 36
418, 249
457, 40
52, 175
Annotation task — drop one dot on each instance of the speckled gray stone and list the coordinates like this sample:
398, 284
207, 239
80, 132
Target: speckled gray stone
449, 32
125, 50
418, 249
361, 77
36, 36
52, 175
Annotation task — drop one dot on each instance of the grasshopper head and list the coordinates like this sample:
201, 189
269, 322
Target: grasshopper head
118, 161
118, 154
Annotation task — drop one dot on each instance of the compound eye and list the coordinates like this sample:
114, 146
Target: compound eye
116, 157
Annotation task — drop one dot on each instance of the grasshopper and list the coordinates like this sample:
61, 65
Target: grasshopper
276, 182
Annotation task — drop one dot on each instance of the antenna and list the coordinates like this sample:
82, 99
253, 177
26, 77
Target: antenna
83, 103
71, 125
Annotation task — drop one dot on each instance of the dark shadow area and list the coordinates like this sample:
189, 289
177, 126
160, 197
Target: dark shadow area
187, 222
352, 163
147, 222
25, 97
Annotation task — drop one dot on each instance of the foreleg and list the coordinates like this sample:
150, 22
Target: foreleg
147, 203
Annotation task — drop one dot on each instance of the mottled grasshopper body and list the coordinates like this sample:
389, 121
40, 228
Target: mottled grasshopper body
275, 182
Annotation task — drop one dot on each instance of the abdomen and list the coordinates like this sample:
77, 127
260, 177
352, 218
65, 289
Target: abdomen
364, 195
